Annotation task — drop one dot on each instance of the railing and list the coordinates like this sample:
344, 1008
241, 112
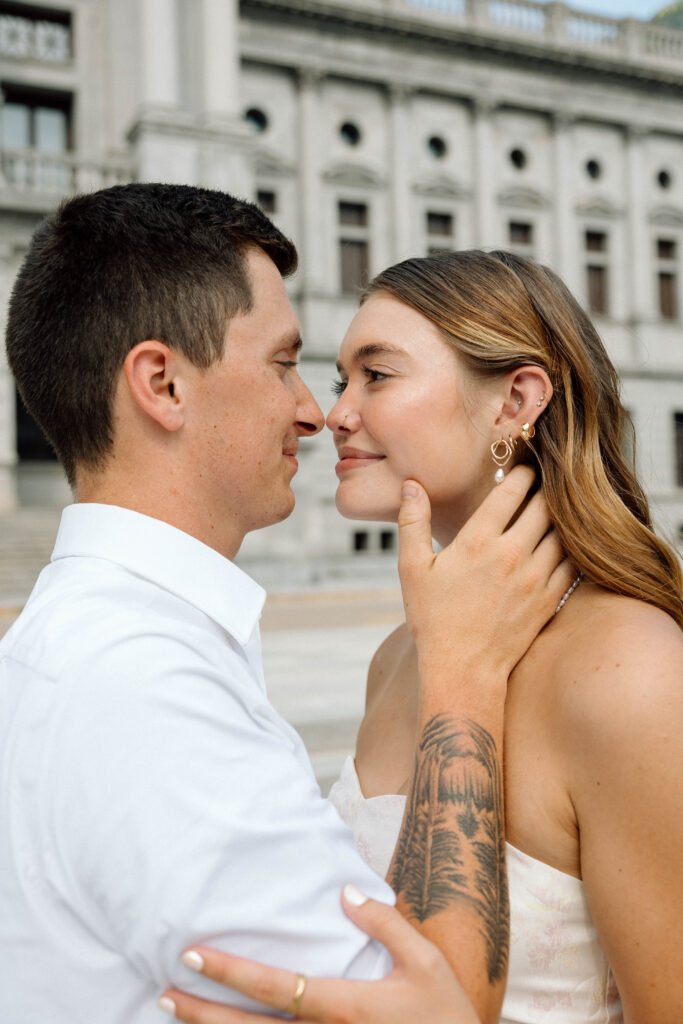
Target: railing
560, 25
58, 174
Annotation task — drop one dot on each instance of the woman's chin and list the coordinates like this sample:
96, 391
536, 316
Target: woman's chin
359, 508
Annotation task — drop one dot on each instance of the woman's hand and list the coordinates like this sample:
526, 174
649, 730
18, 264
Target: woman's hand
421, 987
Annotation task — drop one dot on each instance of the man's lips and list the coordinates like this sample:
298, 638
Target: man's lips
354, 458
289, 452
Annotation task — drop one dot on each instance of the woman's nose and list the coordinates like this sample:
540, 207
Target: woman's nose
342, 417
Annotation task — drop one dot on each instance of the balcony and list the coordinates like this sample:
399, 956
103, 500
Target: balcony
555, 26
35, 180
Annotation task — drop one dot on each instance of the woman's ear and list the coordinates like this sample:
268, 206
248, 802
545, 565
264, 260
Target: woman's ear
151, 372
527, 392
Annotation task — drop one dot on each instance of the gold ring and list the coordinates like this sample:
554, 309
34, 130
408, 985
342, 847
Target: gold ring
293, 1007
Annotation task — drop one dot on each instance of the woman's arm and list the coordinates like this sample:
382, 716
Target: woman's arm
420, 988
623, 751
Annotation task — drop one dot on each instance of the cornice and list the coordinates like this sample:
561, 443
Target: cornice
456, 39
353, 176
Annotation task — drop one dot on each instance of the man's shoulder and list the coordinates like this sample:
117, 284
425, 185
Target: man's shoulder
103, 621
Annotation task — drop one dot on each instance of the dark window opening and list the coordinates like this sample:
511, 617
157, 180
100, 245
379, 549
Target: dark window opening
596, 241
256, 118
387, 540
354, 264
518, 159
668, 299
593, 169
360, 540
440, 224
664, 179
353, 214
437, 147
666, 248
266, 200
597, 289
678, 444
350, 133
520, 233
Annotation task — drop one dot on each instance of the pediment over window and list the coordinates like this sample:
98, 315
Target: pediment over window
271, 165
523, 198
353, 176
667, 217
441, 186
601, 208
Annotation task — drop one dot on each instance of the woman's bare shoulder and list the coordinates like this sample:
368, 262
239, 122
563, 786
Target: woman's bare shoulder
386, 659
616, 663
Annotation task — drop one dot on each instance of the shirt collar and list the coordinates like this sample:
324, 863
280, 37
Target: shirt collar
168, 557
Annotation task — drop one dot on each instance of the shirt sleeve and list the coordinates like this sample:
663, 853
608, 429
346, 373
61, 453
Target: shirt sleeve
194, 816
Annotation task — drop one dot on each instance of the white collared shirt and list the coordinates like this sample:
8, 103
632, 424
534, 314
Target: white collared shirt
150, 795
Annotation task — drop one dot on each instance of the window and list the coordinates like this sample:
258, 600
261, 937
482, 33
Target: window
387, 540
353, 214
667, 278
597, 271
518, 159
354, 246
678, 444
437, 147
360, 540
35, 119
521, 236
267, 200
593, 169
35, 33
350, 133
257, 119
664, 179
440, 235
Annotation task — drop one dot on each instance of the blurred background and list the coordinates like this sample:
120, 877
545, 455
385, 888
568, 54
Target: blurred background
369, 130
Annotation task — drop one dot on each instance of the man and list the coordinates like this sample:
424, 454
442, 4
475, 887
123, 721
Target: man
152, 797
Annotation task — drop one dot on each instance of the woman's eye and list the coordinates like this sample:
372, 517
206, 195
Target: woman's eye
338, 387
374, 376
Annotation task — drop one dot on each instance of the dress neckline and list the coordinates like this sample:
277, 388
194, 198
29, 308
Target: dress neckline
349, 770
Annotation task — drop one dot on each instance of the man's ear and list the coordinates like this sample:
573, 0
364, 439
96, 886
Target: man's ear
151, 372
526, 393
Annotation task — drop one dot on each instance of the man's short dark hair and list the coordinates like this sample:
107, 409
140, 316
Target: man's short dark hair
114, 268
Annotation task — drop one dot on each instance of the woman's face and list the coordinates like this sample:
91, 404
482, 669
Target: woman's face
408, 408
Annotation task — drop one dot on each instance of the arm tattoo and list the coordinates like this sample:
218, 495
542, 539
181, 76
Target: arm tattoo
452, 845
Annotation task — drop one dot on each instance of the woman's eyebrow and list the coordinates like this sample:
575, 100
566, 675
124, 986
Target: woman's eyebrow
374, 349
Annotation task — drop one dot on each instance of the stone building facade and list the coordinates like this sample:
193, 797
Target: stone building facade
372, 130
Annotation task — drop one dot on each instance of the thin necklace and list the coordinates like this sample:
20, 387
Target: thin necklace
569, 592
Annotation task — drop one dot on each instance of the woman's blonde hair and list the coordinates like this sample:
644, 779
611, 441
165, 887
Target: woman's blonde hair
501, 311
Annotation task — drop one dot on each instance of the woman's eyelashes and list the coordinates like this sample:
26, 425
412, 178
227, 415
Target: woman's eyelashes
372, 377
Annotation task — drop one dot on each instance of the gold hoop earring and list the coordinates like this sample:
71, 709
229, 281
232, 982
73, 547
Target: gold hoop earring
527, 431
502, 457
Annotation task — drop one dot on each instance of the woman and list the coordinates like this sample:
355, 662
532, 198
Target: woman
457, 366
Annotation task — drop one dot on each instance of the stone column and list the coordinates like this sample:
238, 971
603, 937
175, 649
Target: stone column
401, 200
486, 226
311, 215
221, 61
159, 65
565, 241
639, 242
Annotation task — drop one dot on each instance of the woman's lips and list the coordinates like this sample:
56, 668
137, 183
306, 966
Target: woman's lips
355, 458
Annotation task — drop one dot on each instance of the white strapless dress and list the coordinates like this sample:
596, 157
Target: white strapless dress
558, 971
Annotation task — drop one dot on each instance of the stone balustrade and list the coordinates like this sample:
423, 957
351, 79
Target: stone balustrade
57, 174
557, 24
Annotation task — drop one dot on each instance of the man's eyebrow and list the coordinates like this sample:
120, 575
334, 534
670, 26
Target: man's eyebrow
374, 349
291, 340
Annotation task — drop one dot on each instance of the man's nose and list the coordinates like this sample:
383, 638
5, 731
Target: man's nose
309, 416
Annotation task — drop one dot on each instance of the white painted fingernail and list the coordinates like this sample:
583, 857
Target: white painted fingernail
167, 1005
354, 896
193, 960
